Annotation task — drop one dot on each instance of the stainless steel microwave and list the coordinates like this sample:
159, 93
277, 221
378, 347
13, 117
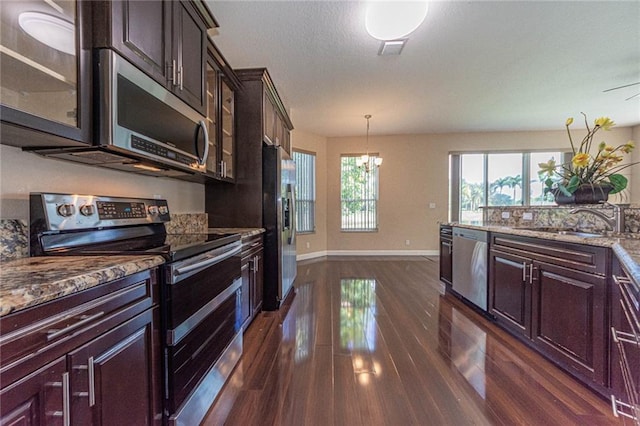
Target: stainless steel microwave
138, 115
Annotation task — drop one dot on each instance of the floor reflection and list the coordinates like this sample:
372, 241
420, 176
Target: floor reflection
357, 314
468, 355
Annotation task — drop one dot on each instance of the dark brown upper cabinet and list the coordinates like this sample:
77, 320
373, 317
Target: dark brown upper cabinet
165, 39
46, 81
221, 87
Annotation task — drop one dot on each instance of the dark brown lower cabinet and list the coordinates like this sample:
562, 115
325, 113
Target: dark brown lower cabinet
97, 362
252, 278
554, 296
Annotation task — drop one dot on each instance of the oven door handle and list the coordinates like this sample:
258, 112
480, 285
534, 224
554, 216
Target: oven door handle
205, 263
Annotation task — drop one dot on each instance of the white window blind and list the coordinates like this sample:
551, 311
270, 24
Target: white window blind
305, 191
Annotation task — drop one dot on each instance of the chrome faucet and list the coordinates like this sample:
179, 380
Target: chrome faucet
615, 221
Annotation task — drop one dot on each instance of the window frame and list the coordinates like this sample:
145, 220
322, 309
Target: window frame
376, 199
455, 178
313, 202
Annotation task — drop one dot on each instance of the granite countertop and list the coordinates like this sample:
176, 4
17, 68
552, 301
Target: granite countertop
626, 247
245, 232
34, 280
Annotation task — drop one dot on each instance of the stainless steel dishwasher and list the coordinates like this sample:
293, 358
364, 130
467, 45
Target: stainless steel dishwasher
470, 253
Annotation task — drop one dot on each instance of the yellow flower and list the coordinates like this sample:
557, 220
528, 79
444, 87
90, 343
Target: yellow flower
604, 122
549, 167
569, 121
628, 147
581, 160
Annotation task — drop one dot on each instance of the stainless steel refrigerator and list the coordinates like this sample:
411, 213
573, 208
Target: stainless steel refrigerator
278, 216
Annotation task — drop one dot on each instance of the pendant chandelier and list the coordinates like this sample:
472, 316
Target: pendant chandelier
364, 160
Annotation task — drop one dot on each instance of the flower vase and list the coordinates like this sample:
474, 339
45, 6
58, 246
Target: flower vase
586, 193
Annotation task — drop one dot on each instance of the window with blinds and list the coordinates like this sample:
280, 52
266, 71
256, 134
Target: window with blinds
359, 194
305, 191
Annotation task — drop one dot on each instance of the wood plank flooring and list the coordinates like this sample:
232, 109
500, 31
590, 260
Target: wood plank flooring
371, 341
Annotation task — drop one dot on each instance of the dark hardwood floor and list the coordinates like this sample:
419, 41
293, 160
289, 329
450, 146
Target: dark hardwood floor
371, 341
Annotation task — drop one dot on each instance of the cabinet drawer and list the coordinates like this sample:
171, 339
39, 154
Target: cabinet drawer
575, 256
251, 246
39, 334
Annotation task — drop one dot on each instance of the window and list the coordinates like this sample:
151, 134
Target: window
305, 191
496, 179
359, 194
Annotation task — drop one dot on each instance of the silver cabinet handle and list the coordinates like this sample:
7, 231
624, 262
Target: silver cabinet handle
84, 319
180, 76
531, 273
524, 272
66, 400
92, 382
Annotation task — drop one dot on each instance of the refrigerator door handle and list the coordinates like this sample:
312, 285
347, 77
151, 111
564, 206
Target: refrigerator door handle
292, 213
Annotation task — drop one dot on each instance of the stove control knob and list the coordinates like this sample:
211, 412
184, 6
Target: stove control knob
153, 210
66, 210
163, 209
86, 210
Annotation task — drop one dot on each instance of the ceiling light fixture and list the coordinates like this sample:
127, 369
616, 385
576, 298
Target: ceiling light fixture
51, 30
393, 20
365, 160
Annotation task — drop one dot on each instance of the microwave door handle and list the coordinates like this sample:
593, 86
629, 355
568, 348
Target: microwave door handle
203, 125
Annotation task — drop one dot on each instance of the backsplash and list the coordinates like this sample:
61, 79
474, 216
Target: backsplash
14, 233
14, 239
187, 223
558, 217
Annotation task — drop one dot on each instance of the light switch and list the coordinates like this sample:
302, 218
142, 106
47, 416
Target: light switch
527, 216
432, 205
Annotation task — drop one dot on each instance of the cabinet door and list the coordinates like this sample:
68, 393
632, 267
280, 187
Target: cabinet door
113, 377
445, 261
245, 296
141, 32
569, 318
228, 129
189, 50
257, 282
213, 159
46, 81
510, 291
40, 398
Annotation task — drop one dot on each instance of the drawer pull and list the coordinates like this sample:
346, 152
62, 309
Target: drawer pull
92, 383
84, 319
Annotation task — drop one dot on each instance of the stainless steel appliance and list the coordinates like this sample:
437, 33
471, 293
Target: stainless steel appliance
142, 127
470, 256
278, 215
199, 283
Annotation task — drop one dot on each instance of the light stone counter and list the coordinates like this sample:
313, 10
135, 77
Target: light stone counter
244, 232
34, 280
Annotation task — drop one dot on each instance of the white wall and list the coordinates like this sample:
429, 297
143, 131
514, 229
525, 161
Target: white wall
22, 173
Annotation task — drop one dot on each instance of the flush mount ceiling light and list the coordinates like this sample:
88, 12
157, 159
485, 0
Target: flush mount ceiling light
364, 160
51, 30
392, 20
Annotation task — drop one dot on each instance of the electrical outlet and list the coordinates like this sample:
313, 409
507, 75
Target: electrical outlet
308, 244
432, 205
407, 242
527, 216
506, 215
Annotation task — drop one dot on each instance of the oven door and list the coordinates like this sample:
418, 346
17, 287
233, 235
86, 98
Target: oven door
201, 317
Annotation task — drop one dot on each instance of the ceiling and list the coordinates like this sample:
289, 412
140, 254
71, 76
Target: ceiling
472, 66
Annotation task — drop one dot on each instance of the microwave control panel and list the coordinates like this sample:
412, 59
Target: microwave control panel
159, 150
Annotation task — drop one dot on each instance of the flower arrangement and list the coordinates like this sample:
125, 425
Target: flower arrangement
599, 170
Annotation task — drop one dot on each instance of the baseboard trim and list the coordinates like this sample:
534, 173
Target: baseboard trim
367, 253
